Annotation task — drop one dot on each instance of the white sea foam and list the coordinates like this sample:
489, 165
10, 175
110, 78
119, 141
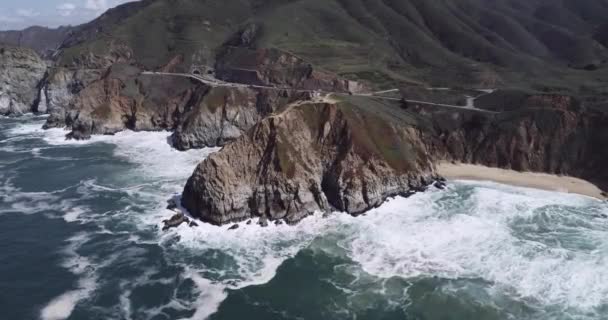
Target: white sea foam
210, 296
415, 237
62, 306
73, 214
430, 234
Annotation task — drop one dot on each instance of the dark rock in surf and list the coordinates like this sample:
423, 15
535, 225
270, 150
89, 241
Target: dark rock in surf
440, 185
175, 221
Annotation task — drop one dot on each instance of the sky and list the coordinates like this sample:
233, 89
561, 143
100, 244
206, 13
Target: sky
19, 14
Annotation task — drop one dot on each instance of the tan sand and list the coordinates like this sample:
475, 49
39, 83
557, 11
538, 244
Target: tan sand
522, 179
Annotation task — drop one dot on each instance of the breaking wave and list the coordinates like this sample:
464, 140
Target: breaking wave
544, 248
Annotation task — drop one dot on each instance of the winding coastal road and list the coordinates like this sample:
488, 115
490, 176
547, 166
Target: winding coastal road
218, 83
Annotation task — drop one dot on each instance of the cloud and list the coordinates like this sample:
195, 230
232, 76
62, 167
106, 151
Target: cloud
66, 9
97, 5
61, 12
27, 13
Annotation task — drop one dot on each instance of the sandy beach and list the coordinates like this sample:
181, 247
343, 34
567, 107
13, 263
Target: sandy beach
458, 171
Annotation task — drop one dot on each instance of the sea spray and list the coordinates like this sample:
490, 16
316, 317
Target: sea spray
513, 252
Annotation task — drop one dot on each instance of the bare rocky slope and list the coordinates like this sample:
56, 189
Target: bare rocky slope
21, 71
309, 157
352, 155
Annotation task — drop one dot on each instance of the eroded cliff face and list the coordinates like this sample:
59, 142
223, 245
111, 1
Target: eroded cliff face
69, 76
201, 116
21, 71
309, 157
222, 114
124, 99
559, 138
351, 158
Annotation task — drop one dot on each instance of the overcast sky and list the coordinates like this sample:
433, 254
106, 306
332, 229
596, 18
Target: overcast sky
19, 14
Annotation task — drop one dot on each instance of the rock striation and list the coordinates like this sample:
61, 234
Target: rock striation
21, 71
309, 157
222, 114
558, 138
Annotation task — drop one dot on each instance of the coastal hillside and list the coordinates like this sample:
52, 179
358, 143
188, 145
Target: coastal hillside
442, 43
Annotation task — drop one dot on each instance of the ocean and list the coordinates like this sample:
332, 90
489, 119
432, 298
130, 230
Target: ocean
81, 239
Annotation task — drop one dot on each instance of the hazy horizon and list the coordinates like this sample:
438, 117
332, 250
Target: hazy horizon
20, 14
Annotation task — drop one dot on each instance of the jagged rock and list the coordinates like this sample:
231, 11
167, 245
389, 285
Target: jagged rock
171, 204
175, 221
21, 71
263, 222
220, 115
125, 99
352, 156
311, 157
440, 185
69, 77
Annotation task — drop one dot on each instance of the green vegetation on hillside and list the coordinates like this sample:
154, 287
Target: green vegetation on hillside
539, 44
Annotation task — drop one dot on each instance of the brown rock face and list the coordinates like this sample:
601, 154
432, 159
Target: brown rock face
311, 156
122, 99
219, 115
353, 156
201, 116
67, 79
551, 140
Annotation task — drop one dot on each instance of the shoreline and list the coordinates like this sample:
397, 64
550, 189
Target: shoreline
542, 181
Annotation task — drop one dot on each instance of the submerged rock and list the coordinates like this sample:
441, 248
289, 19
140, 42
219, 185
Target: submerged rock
234, 227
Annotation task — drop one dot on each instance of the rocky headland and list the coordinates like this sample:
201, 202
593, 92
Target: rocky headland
310, 157
289, 152
352, 154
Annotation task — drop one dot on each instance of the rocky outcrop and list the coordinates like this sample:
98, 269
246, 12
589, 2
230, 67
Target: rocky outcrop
125, 99
352, 156
553, 139
69, 76
21, 71
223, 114
310, 157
